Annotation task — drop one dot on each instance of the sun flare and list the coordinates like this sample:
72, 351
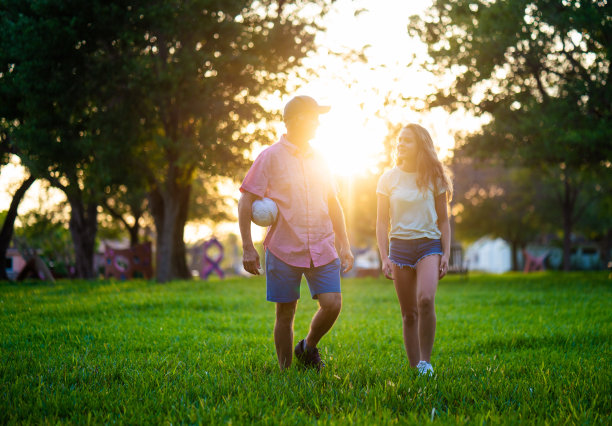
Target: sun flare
350, 144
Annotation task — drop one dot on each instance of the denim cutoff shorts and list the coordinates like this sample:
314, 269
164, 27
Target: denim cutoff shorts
283, 280
410, 252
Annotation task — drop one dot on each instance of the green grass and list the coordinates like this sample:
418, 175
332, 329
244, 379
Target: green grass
509, 349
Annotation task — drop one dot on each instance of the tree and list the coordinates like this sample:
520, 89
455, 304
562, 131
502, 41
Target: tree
504, 203
8, 219
127, 204
7, 149
163, 88
596, 222
8, 222
202, 67
68, 112
540, 72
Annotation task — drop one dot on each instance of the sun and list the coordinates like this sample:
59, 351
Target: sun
351, 135
350, 142
367, 96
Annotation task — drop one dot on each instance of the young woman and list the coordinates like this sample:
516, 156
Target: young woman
414, 196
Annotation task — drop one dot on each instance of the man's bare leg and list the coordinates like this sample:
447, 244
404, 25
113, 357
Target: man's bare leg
283, 333
330, 305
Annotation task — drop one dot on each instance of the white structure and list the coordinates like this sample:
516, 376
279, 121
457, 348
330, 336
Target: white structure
367, 260
489, 255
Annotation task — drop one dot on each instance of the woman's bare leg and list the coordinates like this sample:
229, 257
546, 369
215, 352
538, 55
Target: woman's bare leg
426, 286
406, 289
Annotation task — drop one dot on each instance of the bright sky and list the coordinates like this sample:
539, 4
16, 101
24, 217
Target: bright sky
351, 134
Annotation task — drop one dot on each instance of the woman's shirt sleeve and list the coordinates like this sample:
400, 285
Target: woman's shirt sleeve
383, 184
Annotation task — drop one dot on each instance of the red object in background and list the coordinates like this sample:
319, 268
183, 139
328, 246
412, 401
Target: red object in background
125, 264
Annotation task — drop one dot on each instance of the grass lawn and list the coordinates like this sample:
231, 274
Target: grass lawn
513, 348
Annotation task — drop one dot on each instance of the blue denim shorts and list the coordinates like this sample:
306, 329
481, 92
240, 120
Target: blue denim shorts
283, 280
409, 252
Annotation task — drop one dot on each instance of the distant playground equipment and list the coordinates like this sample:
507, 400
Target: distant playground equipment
206, 263
126, 264
456, 262
367, 263
586, 257
34, 267
534, 263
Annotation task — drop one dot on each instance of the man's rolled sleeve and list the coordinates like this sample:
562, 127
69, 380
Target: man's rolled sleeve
256, 179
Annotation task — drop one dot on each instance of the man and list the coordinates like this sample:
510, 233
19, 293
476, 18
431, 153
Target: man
302, 240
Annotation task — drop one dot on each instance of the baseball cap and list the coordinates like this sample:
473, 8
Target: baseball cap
301, 105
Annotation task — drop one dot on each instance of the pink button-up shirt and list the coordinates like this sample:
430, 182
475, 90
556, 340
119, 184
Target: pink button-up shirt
300, 184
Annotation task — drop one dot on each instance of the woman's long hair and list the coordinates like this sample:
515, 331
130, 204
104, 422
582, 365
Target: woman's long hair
431, 173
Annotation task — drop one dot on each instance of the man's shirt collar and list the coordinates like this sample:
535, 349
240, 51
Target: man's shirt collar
294, 149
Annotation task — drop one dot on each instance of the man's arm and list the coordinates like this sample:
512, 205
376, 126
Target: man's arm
337, 217
250, 257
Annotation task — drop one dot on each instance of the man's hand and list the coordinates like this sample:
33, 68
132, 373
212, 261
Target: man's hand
346, 258
443, 265
250, 257
387, 268
250, 261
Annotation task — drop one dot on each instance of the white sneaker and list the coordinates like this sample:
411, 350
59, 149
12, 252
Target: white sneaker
425, 368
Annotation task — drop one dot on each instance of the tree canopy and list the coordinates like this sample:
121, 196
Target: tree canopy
98, 92
539, 73
203, 66
539, 69
67, 115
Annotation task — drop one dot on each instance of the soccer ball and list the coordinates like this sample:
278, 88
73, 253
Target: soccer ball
264, 212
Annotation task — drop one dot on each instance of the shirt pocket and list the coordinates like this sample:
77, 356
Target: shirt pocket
319, 180
281, 179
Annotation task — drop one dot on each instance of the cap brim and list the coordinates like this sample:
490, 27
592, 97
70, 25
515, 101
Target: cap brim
322, 109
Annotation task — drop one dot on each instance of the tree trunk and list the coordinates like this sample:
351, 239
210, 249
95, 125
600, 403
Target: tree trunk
567, 239
179, 261
604, 246
134, 231
568, 204
83, 228
515, 248
163, 258
6, 234
169, 210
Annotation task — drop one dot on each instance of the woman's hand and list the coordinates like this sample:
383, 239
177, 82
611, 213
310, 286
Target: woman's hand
387, 268
443, 266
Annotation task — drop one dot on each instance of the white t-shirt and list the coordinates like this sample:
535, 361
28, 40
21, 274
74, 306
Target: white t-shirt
413, 212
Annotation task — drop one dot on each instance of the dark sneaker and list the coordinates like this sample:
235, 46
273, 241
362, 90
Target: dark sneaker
310, 358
